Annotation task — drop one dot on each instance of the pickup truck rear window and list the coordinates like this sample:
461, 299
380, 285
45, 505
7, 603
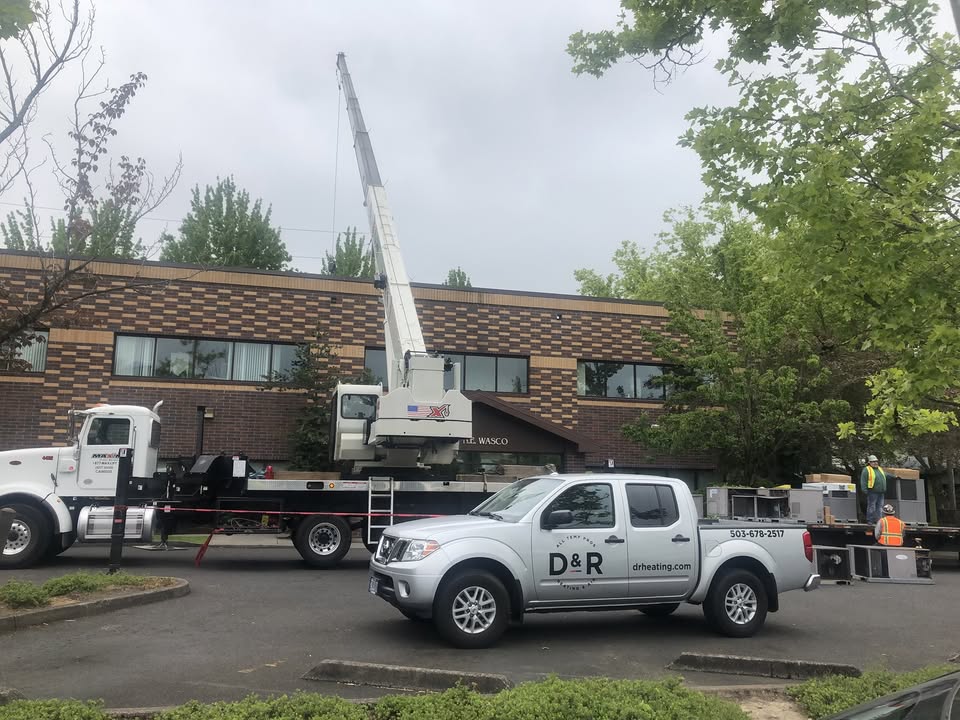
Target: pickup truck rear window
652, 505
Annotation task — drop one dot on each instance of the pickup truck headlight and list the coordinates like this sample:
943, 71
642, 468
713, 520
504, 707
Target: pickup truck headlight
419, 549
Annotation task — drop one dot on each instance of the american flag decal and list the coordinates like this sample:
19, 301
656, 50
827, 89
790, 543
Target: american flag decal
428, 411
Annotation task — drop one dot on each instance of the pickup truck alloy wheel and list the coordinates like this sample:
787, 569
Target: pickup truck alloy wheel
472, 609
737, 604
27, 540
323, 540
741, 603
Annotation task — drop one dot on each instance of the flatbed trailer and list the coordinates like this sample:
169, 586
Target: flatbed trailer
931, 537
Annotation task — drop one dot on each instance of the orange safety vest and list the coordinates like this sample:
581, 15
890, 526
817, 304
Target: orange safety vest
891, 531
871, 475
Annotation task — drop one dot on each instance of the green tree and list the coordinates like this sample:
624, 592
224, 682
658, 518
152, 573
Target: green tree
223, 228
350, 257
314, 374
457, 278
843, 144
745, 374
101, 227
91, 225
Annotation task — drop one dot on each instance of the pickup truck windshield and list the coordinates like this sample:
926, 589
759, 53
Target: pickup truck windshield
515, 501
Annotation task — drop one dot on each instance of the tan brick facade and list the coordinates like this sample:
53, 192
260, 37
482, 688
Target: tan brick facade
553, 331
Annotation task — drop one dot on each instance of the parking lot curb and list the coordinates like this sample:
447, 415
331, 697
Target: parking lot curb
763, 667
93, 607
9, 694
402, 677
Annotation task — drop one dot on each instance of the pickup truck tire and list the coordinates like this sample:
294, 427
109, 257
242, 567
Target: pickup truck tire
660, 610
28, 540
737, 604
323, 540
472, 609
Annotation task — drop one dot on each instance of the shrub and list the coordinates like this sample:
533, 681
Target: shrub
83, 582
301, 706
603, 698
20, 594
459, 702
52, 710
822, 697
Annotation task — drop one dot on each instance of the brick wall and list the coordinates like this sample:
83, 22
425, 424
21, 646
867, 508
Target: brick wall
553, 331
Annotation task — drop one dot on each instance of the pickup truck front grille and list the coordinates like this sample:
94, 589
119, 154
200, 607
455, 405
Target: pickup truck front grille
390, 549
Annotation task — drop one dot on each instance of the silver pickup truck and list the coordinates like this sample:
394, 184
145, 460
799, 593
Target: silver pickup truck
558, 543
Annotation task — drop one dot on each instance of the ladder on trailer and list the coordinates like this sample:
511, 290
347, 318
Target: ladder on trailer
379, 507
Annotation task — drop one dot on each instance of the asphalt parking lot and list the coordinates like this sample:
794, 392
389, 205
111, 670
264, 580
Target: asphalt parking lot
257, 619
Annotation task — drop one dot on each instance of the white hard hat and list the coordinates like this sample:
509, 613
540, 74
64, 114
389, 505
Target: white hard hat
872, 458
888, 509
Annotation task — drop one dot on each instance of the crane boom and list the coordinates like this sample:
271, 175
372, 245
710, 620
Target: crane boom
402, 326
416, 420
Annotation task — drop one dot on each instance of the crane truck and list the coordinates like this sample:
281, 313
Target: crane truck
393, 438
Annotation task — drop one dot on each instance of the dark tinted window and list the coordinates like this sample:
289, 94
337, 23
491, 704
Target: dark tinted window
591, 505
668, 504
109, 431
154, 434
652, 505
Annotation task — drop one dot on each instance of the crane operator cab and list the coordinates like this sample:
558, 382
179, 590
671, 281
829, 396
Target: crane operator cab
414, 424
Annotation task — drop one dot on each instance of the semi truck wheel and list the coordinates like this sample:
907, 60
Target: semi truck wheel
29, 537
472, 609
323, 540
660, 610
737, 604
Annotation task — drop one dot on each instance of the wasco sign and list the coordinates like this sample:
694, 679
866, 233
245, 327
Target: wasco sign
488, 440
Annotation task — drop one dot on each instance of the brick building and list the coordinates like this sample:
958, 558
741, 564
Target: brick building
553, 377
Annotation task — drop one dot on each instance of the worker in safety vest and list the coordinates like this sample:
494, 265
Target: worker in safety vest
889, 529
873, 481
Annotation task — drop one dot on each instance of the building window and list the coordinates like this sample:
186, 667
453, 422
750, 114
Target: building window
620, 380
31, 356
195, 358
477, 372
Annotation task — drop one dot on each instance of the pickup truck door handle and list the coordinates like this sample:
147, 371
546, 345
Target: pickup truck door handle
614, 540
679, 538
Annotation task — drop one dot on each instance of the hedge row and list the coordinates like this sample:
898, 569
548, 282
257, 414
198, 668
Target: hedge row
827, 696
553, 699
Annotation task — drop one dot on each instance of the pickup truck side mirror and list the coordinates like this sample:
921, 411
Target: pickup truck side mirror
557, 518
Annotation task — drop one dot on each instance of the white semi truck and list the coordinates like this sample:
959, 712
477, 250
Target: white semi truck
397, 442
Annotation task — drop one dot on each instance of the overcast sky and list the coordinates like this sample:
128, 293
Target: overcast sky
495, 156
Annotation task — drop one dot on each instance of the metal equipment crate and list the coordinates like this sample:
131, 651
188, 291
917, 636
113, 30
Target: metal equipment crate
839, 498
833, 563
879, 563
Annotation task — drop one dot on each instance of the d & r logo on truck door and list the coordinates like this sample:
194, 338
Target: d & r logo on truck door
575, 566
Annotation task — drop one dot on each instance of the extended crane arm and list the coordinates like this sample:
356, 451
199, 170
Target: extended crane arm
416, 420
402, 326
